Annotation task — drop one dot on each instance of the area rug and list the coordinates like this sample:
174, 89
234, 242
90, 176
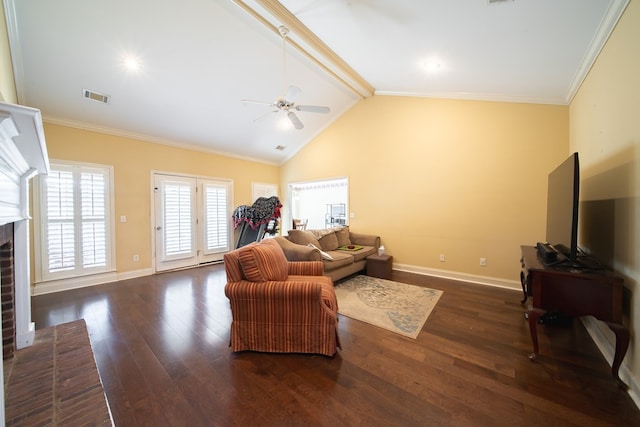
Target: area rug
394, 306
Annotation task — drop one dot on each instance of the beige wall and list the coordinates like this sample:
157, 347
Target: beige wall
605, 130
133, 162
7, 86
466, 179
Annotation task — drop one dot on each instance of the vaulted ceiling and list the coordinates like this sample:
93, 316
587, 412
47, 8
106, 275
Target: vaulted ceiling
177, 72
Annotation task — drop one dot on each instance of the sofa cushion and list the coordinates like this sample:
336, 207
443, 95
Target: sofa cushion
321, 232
340, 259
303, 237
342, 234
363, 253
264, 262
329, 242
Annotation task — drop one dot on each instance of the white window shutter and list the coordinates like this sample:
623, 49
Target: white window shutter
60, 229
93, 213
178, 230
75, 211
216, 218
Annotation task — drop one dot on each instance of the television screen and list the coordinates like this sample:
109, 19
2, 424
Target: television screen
562, 207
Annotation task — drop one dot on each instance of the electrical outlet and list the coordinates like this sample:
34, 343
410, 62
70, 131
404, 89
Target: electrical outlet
441, 257
136, 258
123, 218
483, 262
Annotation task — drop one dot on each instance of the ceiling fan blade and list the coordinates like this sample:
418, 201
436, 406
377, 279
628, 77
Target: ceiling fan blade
313, 108
295, 120
291, 94
264, 116
251, 101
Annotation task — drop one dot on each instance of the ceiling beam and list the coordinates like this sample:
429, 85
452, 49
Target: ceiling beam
329, 61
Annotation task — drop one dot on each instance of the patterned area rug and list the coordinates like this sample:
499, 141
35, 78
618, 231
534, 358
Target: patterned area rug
394, 306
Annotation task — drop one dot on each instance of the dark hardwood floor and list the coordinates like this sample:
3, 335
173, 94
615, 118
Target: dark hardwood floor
161, 346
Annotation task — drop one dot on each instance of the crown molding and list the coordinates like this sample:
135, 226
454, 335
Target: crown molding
611, 18
471, 96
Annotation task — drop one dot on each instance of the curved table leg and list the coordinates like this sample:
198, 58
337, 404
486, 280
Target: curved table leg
534, 315
524, 289
622, 344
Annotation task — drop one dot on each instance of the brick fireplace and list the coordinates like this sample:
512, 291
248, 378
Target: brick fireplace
7, 288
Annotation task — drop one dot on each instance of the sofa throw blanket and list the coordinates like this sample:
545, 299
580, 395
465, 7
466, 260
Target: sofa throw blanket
261, 212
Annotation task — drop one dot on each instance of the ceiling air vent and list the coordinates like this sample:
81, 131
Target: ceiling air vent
95, 96
498, 1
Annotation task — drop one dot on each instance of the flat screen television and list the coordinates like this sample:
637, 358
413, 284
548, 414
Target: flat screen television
562, 208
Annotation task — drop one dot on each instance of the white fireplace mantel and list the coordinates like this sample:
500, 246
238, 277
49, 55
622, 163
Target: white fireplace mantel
23, 154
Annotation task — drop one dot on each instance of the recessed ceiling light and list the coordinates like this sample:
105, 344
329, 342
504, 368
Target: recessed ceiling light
131, 63
432, 65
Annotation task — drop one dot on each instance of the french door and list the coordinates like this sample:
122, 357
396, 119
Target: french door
192, 220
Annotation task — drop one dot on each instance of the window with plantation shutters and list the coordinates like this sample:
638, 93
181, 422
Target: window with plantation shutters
178, 218
192, 220
75, 227
216, 218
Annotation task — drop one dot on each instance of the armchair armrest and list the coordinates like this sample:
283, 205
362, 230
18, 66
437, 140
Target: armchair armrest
262, 291
273, 299
306, 268
364, 239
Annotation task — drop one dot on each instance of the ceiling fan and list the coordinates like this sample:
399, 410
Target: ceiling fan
286, 103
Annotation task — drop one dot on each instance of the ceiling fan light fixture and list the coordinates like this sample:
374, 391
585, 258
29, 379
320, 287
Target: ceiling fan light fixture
284, 123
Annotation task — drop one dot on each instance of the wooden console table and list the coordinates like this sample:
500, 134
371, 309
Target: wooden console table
574, 292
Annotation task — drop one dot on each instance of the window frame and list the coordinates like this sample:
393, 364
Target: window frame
42, 273
314, 222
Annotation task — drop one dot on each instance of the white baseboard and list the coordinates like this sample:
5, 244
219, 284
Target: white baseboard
24, 339
607, 348
42, 288
462, 277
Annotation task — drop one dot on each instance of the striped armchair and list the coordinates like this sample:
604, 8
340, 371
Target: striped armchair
277, 305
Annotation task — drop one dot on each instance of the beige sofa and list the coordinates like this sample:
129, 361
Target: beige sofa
341, 251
